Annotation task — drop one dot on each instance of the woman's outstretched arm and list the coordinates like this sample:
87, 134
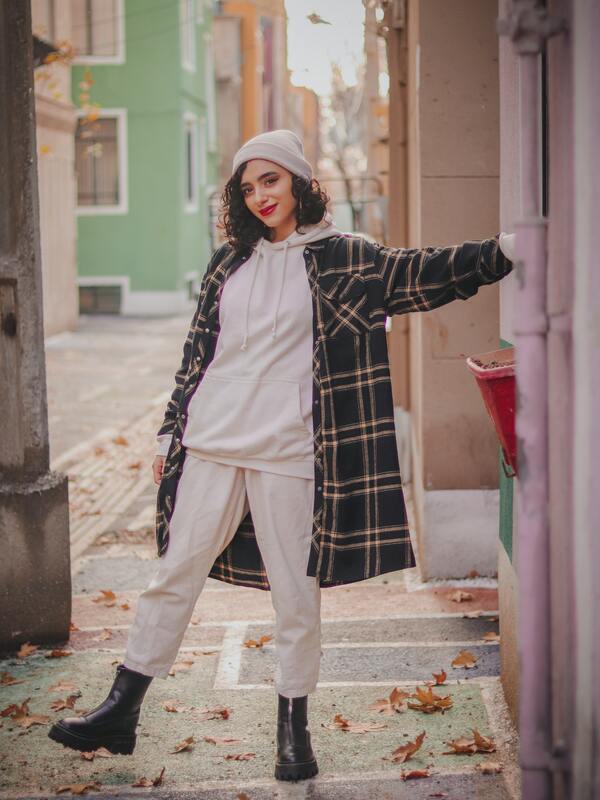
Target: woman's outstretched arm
430, 277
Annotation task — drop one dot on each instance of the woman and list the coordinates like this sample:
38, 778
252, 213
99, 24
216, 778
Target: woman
279, 440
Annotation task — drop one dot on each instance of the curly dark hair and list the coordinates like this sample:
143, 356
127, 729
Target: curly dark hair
243, 229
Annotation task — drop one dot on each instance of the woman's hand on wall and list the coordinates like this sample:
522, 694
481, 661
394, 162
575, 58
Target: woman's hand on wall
157, 468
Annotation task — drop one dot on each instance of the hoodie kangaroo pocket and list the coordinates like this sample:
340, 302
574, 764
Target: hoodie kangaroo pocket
248, 418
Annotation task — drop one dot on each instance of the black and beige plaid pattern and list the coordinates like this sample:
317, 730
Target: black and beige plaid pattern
359, 524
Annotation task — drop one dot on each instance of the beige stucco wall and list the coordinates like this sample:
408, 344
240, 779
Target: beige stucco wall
453, 167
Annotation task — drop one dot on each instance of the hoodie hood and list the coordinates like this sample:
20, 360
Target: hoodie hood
306, 235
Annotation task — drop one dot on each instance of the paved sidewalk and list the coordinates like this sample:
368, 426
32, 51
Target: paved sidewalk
107, 387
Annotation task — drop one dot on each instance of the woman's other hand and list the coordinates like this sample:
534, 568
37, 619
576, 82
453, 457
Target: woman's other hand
157, 468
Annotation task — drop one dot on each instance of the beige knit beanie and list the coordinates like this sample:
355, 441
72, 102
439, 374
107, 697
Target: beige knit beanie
282, 147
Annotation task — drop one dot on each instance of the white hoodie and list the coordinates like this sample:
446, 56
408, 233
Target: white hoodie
253, 406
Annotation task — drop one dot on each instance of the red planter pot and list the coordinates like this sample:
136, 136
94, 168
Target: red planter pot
495, 376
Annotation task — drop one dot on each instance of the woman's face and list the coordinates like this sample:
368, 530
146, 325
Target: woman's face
267, 191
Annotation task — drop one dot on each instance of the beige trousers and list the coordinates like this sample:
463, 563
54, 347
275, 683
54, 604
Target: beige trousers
212, 499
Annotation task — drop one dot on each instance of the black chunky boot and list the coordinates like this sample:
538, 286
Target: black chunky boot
295, 758
112, 724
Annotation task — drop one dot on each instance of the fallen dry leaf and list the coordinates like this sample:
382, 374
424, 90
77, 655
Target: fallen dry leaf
485, 744
257, 642
78, 788
121, 440
459, 596
101, 752
20, 714
396, 702
6, 679
186, 744
151, 781
491, 636
63, 686
134, 465
106, 634
440, 678
489, 767
124, 606
473, 574
73, 627
414, 773
220, 740
467, 746
218, 712
26, 649
429, 702
465, 659
107, 598
59, 653
174, 707
339, 723
205, 652
242, 796
405, 751
462, 745
68, 702
239, 756
179, 666
99, 451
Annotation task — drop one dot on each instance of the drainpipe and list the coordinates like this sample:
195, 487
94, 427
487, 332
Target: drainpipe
528, 25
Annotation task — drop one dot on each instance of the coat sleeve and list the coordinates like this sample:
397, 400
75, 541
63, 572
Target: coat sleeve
427, 278
173, 403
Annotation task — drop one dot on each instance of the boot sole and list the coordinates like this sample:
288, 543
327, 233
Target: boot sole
118, 745
296, 772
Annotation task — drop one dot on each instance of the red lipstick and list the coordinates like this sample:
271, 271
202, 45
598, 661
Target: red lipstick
266, 211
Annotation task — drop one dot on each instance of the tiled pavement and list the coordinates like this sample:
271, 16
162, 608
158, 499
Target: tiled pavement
390, 631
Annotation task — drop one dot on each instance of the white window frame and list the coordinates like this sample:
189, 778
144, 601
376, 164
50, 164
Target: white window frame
187, 28
210, 92
119, 57
190, 122
120, 114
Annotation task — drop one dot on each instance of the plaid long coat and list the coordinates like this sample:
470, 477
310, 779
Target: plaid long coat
359, 520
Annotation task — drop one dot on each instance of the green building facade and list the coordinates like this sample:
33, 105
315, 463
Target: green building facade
146, 167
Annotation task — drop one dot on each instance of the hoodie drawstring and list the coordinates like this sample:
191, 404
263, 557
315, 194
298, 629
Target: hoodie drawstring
285, 250
314, 233
259, 253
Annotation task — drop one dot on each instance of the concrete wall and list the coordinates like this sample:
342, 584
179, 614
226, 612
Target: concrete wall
453, 196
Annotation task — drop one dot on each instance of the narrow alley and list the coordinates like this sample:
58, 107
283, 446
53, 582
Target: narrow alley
388, 632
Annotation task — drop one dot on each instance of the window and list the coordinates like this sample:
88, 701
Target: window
98, 31
188, 34
100, 163
190, 129
100, 299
